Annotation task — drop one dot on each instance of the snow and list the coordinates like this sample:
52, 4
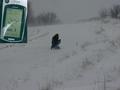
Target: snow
88, 58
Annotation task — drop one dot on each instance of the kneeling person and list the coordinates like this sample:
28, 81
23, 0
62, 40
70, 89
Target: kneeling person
55, 42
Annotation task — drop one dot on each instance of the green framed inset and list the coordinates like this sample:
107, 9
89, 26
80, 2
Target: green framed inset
14, 23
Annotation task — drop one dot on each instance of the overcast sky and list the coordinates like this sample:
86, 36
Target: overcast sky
72, 10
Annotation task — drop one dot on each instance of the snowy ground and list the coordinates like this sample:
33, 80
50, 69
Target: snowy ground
88, 58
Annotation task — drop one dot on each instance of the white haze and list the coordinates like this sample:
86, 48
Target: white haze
72, 10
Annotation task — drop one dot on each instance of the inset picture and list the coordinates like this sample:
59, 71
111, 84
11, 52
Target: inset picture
13, 21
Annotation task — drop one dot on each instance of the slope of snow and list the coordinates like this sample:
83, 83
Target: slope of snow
88, 59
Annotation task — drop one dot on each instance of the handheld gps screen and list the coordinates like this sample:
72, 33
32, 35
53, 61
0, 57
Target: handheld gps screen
13, 18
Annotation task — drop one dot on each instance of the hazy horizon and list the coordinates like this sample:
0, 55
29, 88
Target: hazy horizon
72, 10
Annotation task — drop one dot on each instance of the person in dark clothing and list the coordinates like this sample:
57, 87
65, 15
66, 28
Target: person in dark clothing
55, 42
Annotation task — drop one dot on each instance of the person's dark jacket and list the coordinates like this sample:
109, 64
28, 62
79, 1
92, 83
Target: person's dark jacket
55, 41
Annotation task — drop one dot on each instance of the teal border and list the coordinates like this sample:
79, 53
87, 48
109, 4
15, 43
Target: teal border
1, 3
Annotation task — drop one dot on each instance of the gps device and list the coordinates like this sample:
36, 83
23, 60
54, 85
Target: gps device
14, 20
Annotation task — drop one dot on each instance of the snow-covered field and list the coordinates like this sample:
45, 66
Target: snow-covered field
89, 58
